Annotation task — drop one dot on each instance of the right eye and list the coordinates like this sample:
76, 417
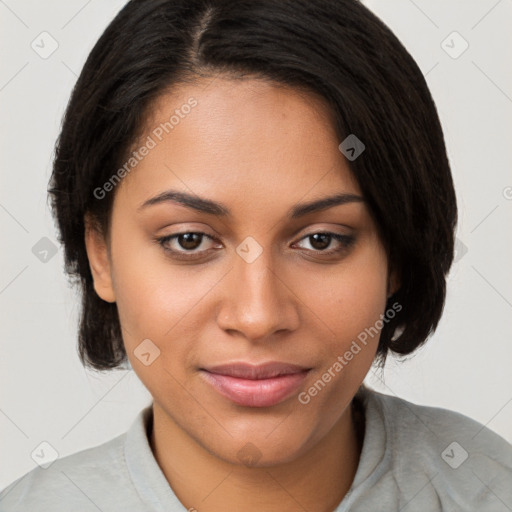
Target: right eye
184, 244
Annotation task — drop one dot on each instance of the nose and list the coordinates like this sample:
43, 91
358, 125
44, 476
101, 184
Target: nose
258, 299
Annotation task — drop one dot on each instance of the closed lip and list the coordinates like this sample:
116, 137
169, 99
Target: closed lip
250, 371
256, 385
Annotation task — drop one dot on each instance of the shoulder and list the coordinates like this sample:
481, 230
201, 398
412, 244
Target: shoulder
74, 482
465, 462
434, 425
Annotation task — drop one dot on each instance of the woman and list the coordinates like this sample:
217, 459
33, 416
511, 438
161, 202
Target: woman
256, 201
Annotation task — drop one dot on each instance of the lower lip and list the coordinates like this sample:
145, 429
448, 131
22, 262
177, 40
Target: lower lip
256, 393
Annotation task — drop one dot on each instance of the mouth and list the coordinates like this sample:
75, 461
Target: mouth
251, 385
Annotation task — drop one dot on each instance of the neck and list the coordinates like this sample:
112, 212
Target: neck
316, 481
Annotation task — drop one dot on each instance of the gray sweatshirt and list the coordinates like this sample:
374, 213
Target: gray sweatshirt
414, 458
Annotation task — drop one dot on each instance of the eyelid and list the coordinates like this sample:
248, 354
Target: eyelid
301, 233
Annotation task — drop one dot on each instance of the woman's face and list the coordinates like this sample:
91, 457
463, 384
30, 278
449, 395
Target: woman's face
258, 284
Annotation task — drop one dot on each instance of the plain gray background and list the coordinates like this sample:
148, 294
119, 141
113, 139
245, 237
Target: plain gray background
46, 395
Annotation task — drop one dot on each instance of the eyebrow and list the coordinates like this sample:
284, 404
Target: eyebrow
218, 209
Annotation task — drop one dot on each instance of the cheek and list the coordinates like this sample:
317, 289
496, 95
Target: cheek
152, 293
349, 297
350, 303
147, 295
361, 301
156, 299
161, 303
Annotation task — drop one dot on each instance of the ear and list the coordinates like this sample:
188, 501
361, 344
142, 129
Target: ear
99, 261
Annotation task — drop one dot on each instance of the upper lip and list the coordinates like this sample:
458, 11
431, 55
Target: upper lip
244, 370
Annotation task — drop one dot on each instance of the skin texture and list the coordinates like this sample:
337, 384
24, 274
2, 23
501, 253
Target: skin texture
259, 149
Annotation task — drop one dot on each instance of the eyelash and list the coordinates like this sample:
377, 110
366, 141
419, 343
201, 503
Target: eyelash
346, 241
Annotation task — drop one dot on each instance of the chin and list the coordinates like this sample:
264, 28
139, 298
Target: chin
261, 451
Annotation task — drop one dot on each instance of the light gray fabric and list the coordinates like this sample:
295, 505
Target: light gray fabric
402, 467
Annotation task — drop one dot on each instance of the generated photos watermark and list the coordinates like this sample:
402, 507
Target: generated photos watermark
369, 332
150, 143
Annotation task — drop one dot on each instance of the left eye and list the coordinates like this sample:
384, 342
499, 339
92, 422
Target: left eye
321, 241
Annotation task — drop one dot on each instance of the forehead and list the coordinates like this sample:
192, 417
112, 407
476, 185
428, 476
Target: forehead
240, 140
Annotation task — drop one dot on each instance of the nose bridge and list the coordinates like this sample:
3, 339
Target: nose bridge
256, 279
256, 282
257, 302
